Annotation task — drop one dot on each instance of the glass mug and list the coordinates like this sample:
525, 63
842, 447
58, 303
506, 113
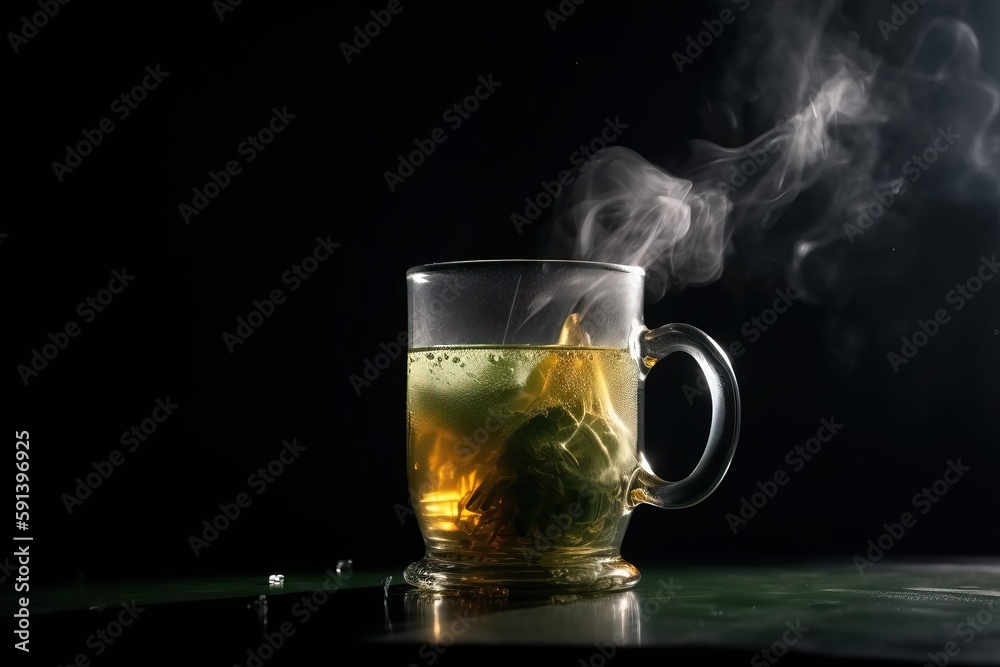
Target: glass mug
525, 383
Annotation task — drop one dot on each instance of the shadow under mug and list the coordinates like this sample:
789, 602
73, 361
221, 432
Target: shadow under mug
525, 398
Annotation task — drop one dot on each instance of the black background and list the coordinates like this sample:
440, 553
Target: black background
323, 175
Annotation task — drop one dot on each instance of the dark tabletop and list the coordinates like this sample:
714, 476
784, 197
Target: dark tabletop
913, 613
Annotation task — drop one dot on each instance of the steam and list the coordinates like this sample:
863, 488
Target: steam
817, 114
630, 212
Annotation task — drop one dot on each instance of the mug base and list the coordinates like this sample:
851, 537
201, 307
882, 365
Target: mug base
492, 579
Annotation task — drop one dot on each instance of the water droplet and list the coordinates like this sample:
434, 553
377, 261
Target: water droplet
430, 355
345, 568
455, 360
259, 606
385, 585
445, 355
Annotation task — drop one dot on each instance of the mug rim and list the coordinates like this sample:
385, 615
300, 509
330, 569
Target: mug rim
580, 263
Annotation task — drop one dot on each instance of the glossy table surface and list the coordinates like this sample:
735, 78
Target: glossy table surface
907, 613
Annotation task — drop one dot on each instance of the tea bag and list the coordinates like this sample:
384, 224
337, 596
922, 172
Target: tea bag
575, 393
566, 455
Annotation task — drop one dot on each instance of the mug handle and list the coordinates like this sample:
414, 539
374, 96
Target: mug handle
656, 344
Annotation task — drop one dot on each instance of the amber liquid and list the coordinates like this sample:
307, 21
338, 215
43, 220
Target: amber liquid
521, 453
